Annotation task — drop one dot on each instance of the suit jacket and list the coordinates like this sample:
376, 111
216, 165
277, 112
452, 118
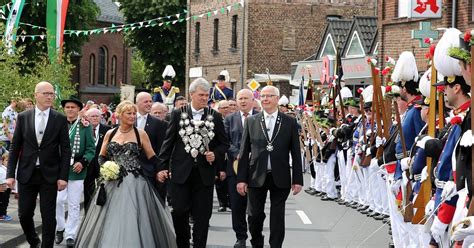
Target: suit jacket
234, 130
94, 168
174, 157
86, 150
54, 152
254, 156
156, 130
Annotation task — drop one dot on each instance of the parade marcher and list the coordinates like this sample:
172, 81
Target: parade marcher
159, 110
221, 184
44, 173
83, 151
167, 93
192, 165
234, 126
264, 166
155, 129
233, 105
99, 130
9, 116
220, 91
283, 104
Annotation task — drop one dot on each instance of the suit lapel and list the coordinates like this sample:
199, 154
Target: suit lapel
31, 122
147, 123
277, 123
206, 111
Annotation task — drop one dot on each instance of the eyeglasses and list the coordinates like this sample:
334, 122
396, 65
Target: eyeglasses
47, 94
267, 96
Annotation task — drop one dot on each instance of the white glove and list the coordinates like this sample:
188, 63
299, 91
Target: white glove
424, 174
429, 207
467, 140
421, 143
368, 132
438, 230
367, 152
379, 141
306, 143
404, 163
463, 229
449, 190
396, 186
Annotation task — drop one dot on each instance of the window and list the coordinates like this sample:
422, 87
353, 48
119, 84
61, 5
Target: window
113, 79
234, 32
92, 69
328, 48
197, 36
355, 46
403, 8
103, 58
215, 46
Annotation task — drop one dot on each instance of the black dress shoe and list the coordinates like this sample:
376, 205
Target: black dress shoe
221, 209
379, 217
386, 220
70, 243
362, 208
59, 237
365, 211
240, 243
313, 192
37, 244
354, 205
326, 198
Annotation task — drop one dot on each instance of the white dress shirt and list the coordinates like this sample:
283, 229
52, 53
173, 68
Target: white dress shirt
141, 120
197, 114
37, 123
269, 130
243, 118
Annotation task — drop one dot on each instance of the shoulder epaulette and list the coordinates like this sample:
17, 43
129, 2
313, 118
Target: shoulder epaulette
176, 89
157, 90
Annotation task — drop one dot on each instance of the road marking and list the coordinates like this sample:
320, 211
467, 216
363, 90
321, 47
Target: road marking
304, 217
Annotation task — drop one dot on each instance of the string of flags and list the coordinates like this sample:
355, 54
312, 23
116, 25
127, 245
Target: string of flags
159, 21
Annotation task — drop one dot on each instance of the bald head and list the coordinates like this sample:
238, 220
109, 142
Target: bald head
245, 100
43, 85
44, 95
144, 102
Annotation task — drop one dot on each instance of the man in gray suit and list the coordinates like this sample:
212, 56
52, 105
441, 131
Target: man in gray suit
268, 139
234, 127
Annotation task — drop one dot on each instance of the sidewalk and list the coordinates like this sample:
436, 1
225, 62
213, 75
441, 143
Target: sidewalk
11, 234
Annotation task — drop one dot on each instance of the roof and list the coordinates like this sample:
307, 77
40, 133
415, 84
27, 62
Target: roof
109, 11
341, 32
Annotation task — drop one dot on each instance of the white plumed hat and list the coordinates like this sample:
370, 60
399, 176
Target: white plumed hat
405, 68
225, 73
445, 64
169, 72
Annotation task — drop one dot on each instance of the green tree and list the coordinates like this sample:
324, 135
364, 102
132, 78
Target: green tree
140, 73
159, 45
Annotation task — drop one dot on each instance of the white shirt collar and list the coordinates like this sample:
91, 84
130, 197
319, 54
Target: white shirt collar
275, 114
37, 111
242, 113
144, 116
195, 110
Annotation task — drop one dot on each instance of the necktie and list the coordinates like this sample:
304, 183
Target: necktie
41, 127
198, 112
246, 115
270, 126
93, 132
141, 122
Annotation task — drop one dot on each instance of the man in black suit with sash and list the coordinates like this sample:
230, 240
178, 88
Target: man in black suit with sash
264, 166
99, 130
234, 127
41, 149
156, 130
194, 146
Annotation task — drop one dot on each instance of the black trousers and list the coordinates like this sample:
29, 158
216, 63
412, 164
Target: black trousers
4, 200
27, 203
89, 188
256, 201
222, 193
194, 198
238, 204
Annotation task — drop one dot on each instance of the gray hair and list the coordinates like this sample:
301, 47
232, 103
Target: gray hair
159, 104
275, 89
245, 91
201, 83
93, 111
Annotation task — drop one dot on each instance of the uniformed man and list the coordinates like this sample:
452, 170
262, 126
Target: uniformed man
220, 91
167, 93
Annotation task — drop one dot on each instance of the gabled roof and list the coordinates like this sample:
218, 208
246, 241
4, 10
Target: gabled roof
342, 30
366, 27
109, 11
339, 29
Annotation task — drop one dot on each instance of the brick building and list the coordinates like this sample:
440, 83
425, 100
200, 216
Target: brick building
396, 27
263, 34
105, 61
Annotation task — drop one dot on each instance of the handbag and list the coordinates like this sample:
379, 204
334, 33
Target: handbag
101, 196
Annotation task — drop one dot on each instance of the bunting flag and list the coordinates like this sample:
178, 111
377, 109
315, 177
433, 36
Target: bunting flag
12, 24
55, 19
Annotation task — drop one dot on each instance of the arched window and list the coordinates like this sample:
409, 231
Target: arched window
113, 79
103, 58
92, 69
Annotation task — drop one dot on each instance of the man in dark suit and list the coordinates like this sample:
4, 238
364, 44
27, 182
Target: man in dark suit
41, 149
234, 127
156, 129
194, 146
264, 166
98, 132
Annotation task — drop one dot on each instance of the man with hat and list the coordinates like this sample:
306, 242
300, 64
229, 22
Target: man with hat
83, 151
220, 91
167, 94
449, 181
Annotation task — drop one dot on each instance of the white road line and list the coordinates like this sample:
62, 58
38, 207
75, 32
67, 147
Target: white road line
304, 217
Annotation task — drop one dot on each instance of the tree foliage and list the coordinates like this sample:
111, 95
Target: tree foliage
159, 45
140, 73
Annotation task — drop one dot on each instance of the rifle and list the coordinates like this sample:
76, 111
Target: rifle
424, 195
470, 211
338, 81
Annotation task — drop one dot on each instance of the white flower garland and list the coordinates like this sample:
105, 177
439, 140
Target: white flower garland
195, 134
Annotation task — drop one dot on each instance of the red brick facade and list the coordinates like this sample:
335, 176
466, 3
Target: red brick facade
275, 34
395, 32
